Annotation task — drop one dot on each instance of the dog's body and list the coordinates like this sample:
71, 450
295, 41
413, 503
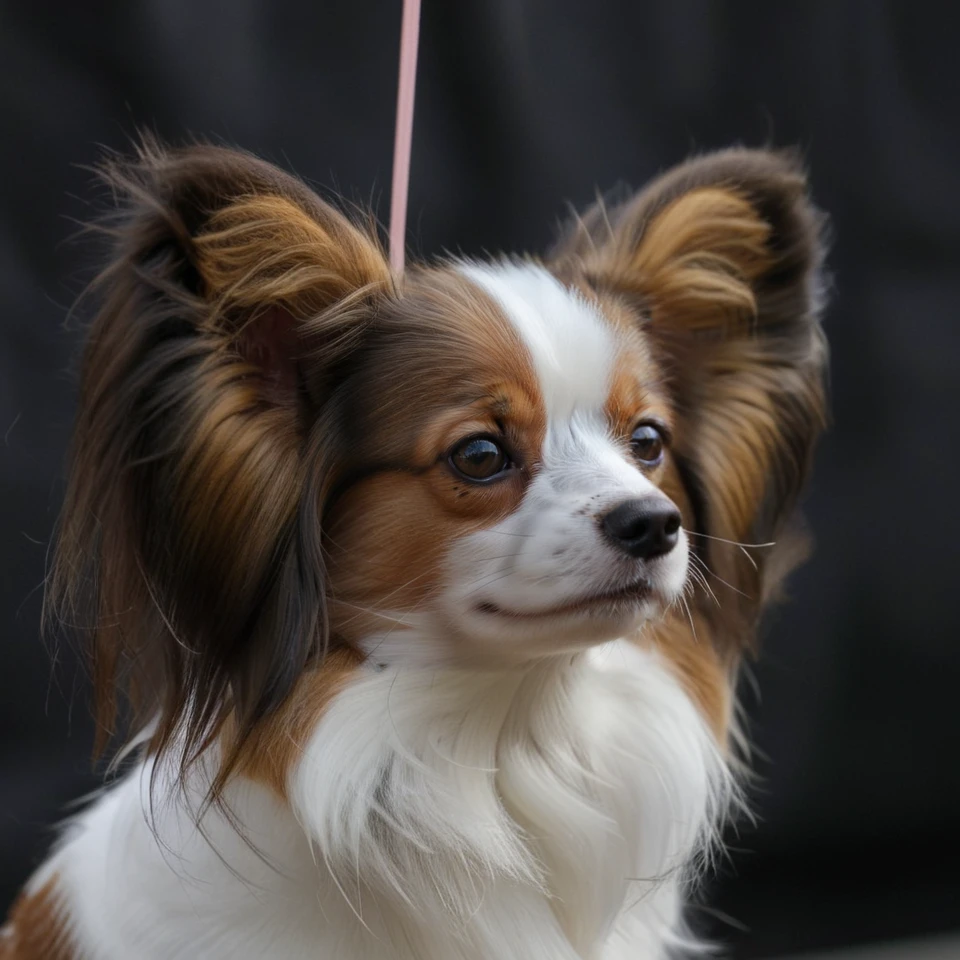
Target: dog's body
407, 577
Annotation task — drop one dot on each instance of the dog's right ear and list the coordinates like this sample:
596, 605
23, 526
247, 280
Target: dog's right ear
720, 262
188, 551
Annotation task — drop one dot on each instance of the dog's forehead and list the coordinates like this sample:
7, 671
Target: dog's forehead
504, 340
568, 343
503, 336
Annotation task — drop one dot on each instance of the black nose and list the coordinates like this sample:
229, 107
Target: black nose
644, 528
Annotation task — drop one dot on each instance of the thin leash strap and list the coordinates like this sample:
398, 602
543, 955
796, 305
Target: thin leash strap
406, 87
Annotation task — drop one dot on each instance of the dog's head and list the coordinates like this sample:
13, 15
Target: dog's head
284, 451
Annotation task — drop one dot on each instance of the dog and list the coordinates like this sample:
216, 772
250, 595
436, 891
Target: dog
422, 597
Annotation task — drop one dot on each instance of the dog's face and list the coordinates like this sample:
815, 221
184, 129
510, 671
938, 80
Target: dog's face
283, 449
514, 493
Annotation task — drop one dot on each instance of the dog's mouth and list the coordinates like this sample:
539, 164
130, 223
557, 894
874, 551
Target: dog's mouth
613, 602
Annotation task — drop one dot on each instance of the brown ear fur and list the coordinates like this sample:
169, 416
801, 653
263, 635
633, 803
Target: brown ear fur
720, 259
187, 551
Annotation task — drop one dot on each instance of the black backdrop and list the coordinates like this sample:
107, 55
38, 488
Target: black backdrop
524, 104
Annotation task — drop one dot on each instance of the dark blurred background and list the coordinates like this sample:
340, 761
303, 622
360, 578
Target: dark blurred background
522, 105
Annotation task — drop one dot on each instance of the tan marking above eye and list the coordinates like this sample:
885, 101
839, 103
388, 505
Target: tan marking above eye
636, 389
505, 413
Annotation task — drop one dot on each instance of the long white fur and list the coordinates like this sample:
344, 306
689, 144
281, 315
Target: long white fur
548, 810
549, 813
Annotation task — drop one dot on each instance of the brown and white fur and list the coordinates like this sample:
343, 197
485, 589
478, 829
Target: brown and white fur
384, 709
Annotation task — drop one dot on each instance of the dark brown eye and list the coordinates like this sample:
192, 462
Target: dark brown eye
479, 458
647, 443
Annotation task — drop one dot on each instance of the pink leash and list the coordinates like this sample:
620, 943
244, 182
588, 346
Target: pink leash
409, 38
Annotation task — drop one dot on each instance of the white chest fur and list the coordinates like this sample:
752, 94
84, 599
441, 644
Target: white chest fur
545, 814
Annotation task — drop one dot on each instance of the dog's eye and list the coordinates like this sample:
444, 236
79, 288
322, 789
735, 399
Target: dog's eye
647, 443
479, 458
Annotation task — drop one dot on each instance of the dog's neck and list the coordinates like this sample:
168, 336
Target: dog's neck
588, 781
531, 814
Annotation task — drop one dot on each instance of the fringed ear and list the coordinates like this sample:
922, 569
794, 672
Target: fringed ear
720, 260
188, 552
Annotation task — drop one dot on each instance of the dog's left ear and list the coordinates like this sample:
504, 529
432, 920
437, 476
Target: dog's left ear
720, 260
189, 556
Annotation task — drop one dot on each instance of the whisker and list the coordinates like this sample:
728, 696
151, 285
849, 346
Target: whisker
693, 629
401, 622
510, 533
392, 593
398, 622
698, 575
724, 582
479, 585
733, 543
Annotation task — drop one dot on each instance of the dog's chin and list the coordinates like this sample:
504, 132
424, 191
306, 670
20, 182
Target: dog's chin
491, 631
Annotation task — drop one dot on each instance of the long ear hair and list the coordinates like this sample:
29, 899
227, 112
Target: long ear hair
720, 259
188, 553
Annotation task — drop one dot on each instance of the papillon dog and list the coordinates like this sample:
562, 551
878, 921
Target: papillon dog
421, 597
